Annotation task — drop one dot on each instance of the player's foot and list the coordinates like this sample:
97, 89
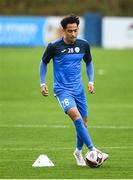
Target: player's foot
105, 157
79, 158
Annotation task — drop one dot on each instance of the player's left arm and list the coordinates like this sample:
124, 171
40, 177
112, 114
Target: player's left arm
89, 67
90, 74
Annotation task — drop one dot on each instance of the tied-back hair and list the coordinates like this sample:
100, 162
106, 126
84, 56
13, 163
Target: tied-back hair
69, 20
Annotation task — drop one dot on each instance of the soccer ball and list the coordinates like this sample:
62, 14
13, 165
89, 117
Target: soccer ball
93, 158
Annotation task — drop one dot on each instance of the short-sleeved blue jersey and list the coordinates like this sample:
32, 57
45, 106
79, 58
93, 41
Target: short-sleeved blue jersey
67, 63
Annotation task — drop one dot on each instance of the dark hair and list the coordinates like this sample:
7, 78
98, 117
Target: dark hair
69, 20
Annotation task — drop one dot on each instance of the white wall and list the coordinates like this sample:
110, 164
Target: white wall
117, 32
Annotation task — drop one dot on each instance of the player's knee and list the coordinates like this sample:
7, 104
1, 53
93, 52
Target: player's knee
73, 113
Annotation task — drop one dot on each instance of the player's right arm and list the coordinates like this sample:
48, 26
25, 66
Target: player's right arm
48, 54
43, 70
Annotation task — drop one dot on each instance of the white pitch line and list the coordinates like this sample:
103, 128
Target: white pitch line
21, 149
59, 149
62, 126
33, 126
111, 127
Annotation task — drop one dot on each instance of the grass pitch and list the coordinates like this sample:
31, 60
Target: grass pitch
31, 125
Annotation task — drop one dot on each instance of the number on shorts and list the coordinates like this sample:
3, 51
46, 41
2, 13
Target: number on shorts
65, 103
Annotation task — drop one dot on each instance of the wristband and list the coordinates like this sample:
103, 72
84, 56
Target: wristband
43, 84
91, 83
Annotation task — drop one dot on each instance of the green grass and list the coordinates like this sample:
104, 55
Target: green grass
31, 125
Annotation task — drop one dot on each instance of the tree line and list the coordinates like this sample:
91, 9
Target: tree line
64, 7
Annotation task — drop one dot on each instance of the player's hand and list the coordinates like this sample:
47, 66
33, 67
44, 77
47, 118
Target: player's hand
44, 90
91, 88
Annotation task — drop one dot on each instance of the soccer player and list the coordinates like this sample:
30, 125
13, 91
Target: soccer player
67, 54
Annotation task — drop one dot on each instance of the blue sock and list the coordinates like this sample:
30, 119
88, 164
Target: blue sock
79, 143
83, 133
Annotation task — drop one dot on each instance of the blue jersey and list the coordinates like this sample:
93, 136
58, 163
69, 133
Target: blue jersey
67, 61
